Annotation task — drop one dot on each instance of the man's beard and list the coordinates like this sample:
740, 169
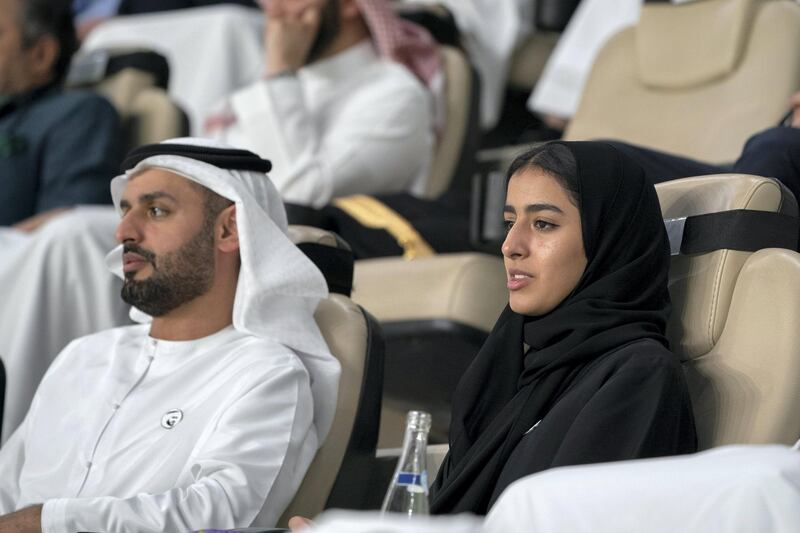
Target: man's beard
178, 277
327, 32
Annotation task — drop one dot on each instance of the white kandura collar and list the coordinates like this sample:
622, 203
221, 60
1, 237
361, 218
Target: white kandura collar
208, 342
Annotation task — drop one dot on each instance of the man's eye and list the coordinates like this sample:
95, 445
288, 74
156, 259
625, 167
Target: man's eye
507, 224
157, 212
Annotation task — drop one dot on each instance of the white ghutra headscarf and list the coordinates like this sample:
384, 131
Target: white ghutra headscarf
279, 288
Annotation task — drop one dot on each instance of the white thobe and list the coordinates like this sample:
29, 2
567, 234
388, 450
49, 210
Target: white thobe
732, 489
350, 124
96, 450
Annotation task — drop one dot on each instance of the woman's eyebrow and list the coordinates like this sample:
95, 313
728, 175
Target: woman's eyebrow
535, 208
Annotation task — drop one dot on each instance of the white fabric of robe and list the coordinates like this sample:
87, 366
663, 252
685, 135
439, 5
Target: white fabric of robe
338, 521
212, 51
559, 89
491, 31
354, 123
55, 288
733, 489
278, 288
95, 450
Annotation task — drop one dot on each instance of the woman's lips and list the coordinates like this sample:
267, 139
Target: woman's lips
517, 279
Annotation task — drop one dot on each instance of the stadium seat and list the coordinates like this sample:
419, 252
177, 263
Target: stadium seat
454, 156
735, 317
530, 57
435, 313
135, 82
731, 309
695, 78
341, 474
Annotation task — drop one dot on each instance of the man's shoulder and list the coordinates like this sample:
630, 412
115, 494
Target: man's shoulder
261, 355
63, 102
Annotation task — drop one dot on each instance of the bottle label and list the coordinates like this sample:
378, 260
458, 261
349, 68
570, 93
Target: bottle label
413, 482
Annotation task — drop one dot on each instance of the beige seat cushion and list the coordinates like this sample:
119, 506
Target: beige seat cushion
724, 96
345, 330
746, 389
458, 79
529, 59
702, 286
147, 112
735, 318
467, 288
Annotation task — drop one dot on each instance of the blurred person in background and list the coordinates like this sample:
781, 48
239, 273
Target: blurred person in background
346, 104
90, 13
58, 148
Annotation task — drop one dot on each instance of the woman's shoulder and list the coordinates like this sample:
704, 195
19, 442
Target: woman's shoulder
643, 355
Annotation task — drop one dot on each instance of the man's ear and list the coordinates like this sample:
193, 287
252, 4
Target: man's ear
227, 230
43, 56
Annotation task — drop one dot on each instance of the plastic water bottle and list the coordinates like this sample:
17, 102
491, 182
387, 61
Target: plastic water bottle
408, 491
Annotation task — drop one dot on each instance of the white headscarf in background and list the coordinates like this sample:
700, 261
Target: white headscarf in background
279, 288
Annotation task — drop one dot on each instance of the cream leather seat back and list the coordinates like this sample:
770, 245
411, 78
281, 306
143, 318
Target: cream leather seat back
736, 317
147, 112
454, 155
695, 79
137, 88
341, 473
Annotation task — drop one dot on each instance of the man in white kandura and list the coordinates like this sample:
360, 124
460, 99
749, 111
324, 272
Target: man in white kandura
207, 414
345, 105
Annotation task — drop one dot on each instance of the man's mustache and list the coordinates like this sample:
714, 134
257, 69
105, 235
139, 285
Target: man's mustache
133, 248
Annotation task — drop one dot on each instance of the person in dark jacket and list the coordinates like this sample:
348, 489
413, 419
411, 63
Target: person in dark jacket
58, 148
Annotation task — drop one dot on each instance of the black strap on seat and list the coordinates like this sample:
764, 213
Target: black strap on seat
336, 265
739, 229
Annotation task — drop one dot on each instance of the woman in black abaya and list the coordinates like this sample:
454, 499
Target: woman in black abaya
577, 369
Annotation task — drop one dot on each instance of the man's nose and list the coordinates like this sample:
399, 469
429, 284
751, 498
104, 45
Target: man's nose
128, 229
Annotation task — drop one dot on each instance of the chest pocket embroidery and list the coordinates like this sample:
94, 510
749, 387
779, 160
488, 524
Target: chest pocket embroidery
171, 418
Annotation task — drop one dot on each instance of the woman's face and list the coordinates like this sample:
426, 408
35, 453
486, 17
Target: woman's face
543, 250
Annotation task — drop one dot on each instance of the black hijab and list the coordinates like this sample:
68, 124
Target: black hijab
621, 298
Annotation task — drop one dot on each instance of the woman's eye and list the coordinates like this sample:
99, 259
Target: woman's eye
543, 225
507, 224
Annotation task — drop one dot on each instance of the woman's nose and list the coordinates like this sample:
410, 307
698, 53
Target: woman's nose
514, 244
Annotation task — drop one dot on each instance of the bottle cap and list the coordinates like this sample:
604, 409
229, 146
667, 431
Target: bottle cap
418, 421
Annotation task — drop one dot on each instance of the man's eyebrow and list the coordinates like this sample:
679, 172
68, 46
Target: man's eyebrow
534, 208
150, 196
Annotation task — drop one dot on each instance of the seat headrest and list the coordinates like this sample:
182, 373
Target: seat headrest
701, 285
91, 67
688, 44
330, 253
